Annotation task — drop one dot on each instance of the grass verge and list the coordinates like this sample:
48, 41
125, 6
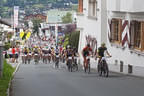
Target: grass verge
7, 75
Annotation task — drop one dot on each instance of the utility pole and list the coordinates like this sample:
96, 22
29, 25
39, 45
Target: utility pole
1, 59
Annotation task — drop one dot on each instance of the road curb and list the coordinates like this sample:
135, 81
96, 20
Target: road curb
9, 86
125, 74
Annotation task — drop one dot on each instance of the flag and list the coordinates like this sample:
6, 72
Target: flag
21, 34
28, 35
16, 9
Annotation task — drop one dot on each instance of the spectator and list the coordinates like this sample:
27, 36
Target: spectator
17, 53
13, 54
10, 54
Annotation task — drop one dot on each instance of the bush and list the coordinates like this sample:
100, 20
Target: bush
72, 39
66, 40
7, 75
7, 46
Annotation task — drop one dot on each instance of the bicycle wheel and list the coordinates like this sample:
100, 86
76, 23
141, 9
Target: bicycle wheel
25, 60
106, 70
69, 66
85, 69
74, 67
57, 63
99, 69
89, 69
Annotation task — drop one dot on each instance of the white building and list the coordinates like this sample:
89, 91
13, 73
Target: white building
5, 28
118, 23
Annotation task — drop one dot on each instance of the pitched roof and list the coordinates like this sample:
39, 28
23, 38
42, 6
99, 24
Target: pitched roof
4, 22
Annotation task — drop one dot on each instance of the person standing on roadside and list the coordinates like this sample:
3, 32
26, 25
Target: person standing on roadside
17, 53
13, 54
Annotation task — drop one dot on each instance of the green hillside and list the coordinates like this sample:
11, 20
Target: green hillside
31, 6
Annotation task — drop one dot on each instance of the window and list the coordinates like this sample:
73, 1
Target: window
137, 35
80, 8
116, 32
92, 8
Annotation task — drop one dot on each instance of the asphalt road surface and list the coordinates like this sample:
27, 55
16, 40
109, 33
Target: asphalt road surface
45, 80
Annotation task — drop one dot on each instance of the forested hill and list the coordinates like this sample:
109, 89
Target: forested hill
35, 6
10, 3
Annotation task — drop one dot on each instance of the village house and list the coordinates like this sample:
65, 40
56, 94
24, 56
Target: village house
118, 23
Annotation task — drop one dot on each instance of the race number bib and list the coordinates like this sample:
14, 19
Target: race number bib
69, 57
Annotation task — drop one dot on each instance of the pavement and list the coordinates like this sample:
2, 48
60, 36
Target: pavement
14, 64
45, 80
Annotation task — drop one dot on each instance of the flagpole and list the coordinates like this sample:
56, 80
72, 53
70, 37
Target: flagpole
13, 18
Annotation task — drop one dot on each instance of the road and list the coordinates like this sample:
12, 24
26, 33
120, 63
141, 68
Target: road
45, 80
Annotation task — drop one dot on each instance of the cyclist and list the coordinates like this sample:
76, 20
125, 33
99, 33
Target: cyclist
25, 51
57, 50
63, 54
29, 55
76, 54
101, 51
24, 57
36, 51
86, 52
36, 54
57, 56
69, 53
49, 54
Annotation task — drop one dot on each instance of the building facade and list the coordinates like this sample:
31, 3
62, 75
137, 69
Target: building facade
120, 25
92, 23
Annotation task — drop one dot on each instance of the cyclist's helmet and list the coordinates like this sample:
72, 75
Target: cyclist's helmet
68, 47
103, 44
56, 47
88, 45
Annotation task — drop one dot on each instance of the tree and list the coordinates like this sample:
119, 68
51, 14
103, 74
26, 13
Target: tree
36, 25
67, 18
74, 39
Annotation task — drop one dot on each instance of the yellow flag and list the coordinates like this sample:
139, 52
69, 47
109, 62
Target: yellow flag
28, 35
21, 34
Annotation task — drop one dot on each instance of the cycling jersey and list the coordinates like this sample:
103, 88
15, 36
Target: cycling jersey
49, 51
101, 51
36, 51
25, 51
86, 51
69, 53
57, 51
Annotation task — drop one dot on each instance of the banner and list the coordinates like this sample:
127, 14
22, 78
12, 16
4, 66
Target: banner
16, 10
21, 33
28, 35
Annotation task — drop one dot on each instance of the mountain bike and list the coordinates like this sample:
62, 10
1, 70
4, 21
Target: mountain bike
49, 58
36, 58
29, 56
103, 67
74, 64
57, 61
87, 68
69, 63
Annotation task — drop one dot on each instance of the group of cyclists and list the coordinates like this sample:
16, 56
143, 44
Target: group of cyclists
101, 53
68, 54
49, 54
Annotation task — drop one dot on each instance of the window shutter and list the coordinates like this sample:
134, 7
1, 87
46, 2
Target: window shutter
132, 29
80, 6
120, 30
94, 8
142, 35
113, 30
137, 34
